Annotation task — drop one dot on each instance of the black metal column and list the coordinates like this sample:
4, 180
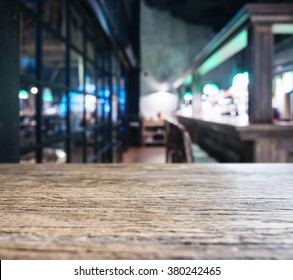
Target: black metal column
39, 97
67, 77
9, 81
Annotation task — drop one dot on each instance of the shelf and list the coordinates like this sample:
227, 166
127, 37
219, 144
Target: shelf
153, 133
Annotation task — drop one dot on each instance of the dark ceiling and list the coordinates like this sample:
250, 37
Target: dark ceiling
215, 13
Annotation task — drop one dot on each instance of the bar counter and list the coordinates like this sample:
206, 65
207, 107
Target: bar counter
234, 139
156, 211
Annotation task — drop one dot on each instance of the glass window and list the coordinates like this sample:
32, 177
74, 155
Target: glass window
27, 59
107, 109
77, 149
55, 153
101, 99
76, 30
90, 150
30, 3
27, 114
122, 95
282, 101
28, 158
90, 84
54, 14
53, 68
76, 71
100, 109
54, 112
91, 107
91, 46
76, 111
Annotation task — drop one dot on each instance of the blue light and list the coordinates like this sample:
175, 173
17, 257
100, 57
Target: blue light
107, 93
122, 96
107, 107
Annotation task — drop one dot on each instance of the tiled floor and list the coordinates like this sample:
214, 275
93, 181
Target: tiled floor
147, 154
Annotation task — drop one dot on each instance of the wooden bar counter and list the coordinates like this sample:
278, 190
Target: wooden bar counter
234, 139
159, 211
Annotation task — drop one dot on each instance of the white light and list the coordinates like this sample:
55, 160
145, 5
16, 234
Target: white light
240, 80
90, 103
34, 90
60, 153
211, 89
287, 82
164, 87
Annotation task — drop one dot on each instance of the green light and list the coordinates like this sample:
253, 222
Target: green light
188, 96
237, 44
210, 89
48, 96
282, 28
23, 94
188, 80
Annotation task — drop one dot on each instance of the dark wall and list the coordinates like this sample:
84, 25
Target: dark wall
9, 81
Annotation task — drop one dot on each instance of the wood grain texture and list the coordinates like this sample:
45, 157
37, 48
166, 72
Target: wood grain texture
180, 211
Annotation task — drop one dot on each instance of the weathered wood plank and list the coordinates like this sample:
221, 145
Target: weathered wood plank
211, 211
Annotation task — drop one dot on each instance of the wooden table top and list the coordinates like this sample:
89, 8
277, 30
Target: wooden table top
179, 211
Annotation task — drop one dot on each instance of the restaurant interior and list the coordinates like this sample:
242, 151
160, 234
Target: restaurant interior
90, 87
96, 81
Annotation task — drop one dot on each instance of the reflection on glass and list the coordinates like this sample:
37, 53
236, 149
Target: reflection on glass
27, 113
54, 113
100, 109
90, 106
28, 158
283, 77
76, 71
115, 99
105, 61
55, 153
107, 91
76, 30
76, 111
115, 66
27, 59
122, 95
30, 3
77, 149
90, 136
107, 109
53, 13
91, 47
101, 99
90, 85
53, 69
